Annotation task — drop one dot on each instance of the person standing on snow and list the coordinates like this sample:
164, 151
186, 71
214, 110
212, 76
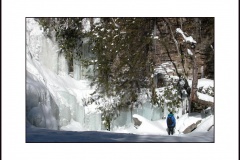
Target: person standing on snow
171, 123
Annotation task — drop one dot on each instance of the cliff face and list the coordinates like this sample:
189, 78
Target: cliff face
201, 29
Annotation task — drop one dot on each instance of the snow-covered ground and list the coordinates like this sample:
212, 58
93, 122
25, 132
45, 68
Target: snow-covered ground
44, 135
148, 131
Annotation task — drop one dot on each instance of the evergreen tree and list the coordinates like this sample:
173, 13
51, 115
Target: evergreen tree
122, 47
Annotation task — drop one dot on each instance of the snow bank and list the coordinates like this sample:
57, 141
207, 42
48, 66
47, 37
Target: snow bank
73, 126
147, 127
206, 124
164, 68
159, 127
204, 83
205, 97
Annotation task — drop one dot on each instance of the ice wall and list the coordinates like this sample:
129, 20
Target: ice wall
44, 49
53, 98
149, 112
77, 70
48, 55
69, 109
93, 122
62, 65
80, 71
41, 109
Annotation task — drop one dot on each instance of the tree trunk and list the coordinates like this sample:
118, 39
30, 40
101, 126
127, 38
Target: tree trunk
181, 23
108, 124
193, 95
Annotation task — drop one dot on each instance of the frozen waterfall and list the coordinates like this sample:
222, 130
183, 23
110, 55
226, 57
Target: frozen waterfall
53, 98
41, 108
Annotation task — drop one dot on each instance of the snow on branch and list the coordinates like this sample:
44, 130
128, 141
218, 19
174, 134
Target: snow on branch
189, 52
116, 25
187, 39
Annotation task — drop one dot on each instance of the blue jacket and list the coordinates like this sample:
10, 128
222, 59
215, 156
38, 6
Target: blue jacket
173, 119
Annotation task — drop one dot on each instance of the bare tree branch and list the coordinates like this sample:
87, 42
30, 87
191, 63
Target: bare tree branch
168, 53
172, 35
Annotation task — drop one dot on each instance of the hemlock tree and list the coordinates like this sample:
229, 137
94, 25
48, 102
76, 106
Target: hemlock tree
125, 64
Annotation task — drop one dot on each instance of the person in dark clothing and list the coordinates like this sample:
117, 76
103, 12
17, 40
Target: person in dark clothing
171, 123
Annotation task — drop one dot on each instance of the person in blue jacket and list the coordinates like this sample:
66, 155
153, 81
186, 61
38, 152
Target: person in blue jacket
171, 123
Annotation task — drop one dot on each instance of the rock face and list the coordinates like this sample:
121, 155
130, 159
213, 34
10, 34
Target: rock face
137, 123
202, 30
191, 127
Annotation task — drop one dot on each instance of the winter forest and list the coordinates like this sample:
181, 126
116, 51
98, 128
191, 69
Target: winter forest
116, 79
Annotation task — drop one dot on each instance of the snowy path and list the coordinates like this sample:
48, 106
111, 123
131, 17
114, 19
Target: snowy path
52, 136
